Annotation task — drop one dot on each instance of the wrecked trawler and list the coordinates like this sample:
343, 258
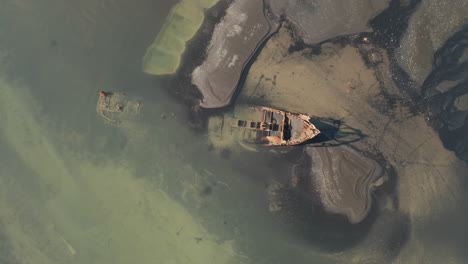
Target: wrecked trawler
114, 107
260, 125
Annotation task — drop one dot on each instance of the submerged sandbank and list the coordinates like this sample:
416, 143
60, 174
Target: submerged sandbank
183, 21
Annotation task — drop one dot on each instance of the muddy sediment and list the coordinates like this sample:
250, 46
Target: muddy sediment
352, 81
343, 179
446, 88
317, 21
233, 42
428, 28
356, 81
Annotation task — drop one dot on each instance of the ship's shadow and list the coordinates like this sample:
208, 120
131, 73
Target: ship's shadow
334, 133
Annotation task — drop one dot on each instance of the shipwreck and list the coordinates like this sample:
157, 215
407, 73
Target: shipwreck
262, 126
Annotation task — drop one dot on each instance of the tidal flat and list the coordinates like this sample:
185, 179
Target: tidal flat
151, 188
426, 177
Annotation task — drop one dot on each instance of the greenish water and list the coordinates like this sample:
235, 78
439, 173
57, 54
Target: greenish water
74, 189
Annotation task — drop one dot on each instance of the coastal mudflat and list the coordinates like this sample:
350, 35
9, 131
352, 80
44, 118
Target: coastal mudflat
356, 88
343, 179
320, 20
349, 81
146, 189
233, 43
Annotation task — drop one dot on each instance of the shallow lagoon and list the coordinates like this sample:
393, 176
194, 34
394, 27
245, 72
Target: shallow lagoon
72, 190
76, 190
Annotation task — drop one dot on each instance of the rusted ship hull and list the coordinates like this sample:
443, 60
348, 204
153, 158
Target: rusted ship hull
272, 127
250, 126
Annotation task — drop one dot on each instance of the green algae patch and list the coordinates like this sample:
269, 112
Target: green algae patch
183, 21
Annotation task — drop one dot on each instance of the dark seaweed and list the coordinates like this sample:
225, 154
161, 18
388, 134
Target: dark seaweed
450, 122
438, 107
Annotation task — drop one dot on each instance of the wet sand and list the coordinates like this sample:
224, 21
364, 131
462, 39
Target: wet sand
428, 29
343, 179
428, 180
317, 21
234, 41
